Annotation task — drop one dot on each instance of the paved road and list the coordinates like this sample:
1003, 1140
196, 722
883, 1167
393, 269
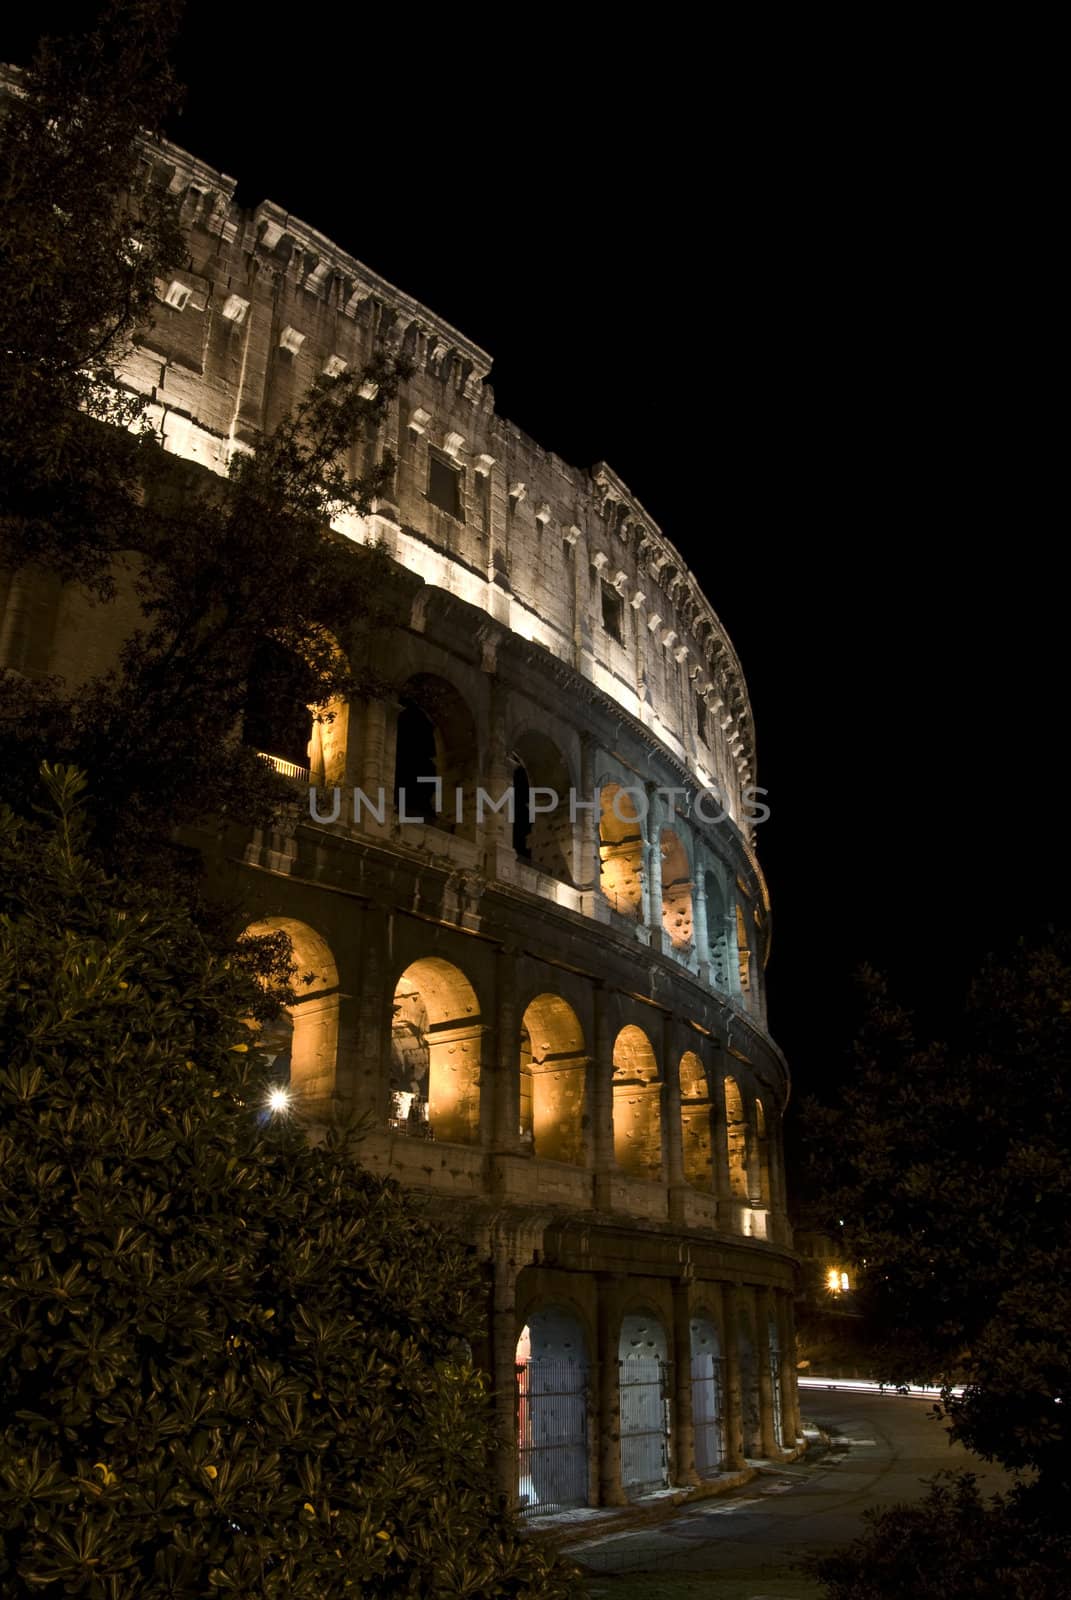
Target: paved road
745, 1543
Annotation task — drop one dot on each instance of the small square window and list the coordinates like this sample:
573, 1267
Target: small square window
444, 486
612, 609
177, 295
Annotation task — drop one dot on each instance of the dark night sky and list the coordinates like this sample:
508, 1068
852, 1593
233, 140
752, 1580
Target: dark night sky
802, 333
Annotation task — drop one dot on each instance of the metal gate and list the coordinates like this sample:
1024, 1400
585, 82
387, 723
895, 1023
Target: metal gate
775, 1384
644, 1424
708, 1413
552, 1433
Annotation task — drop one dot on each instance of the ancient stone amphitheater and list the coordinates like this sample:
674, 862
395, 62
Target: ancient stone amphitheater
556, 1022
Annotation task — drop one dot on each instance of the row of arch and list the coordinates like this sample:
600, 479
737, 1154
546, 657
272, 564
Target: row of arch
644, 868
556, 1410
435, 1085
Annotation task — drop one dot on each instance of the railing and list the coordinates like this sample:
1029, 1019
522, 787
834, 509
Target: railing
644, 1402
285, 769
552, 1433
708, 1413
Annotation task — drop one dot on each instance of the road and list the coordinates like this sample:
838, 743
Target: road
745, 1544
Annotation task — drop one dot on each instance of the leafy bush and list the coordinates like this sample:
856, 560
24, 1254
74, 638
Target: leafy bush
229, 1359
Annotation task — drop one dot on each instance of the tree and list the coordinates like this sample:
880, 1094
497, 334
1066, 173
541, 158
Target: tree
948, 1162
217, 566
230, 1361
83, 241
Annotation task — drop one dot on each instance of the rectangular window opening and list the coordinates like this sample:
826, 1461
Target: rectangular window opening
612, 612
444, 485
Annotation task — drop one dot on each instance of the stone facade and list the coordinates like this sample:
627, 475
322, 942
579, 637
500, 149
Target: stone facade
560, 1029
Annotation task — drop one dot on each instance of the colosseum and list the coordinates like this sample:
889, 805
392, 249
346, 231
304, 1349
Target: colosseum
554, 1020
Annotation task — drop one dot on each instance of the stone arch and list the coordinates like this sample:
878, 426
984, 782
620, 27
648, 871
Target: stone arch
676, 889
552, 1408
736, 1139
436, 1053
309, 1037
553, 1068
695, 1122
621, 851
546, 839
637, 1105
435, 739
644, 1410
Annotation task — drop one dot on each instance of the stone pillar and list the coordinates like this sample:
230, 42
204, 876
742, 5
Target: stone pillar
500, 1095
722, 1188
586, 845
672, 1133
504, 1371
496, 828
732, 954
790, 1399
602, 1100
729, 1296
684, 1469
375, 1006
652, 863
767, 1416
608, 1430
700, 931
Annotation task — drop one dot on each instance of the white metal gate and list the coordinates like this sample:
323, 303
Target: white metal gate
775, 1384
644, 1424
552, 1430
708, 1413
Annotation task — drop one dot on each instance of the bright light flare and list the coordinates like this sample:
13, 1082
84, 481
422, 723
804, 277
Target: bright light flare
279, 1100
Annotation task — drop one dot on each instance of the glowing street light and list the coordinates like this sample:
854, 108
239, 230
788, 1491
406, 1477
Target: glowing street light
279, 1100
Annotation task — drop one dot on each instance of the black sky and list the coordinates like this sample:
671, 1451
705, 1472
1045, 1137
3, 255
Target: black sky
806, 332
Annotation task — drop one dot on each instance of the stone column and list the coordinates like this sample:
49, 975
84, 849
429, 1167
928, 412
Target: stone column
496, 828
790, 1399
732, 954
767, 1416
684, 1469
652, 862
504, 1373
729, 1296
672, 1133
608, 1431
602, 1100
586, 846
500, 1095
375, 1005
700, 932
722, 1188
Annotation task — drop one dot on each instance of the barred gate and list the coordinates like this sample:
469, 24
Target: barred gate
552, 1433
775, 1384
644, 1424
708, 1412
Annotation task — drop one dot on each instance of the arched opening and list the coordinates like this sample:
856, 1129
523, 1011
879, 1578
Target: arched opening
435, 1054
676, 890
552, 1412
304, 1042
750, 1415
644, 1404
277, 719
435, 742
736, 1140
717, 932
695, 1122
621, 851
553, 1069
708, 1397
762, 1144
637, 1106
544, 840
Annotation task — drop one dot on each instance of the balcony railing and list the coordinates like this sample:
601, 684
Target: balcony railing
285, 769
